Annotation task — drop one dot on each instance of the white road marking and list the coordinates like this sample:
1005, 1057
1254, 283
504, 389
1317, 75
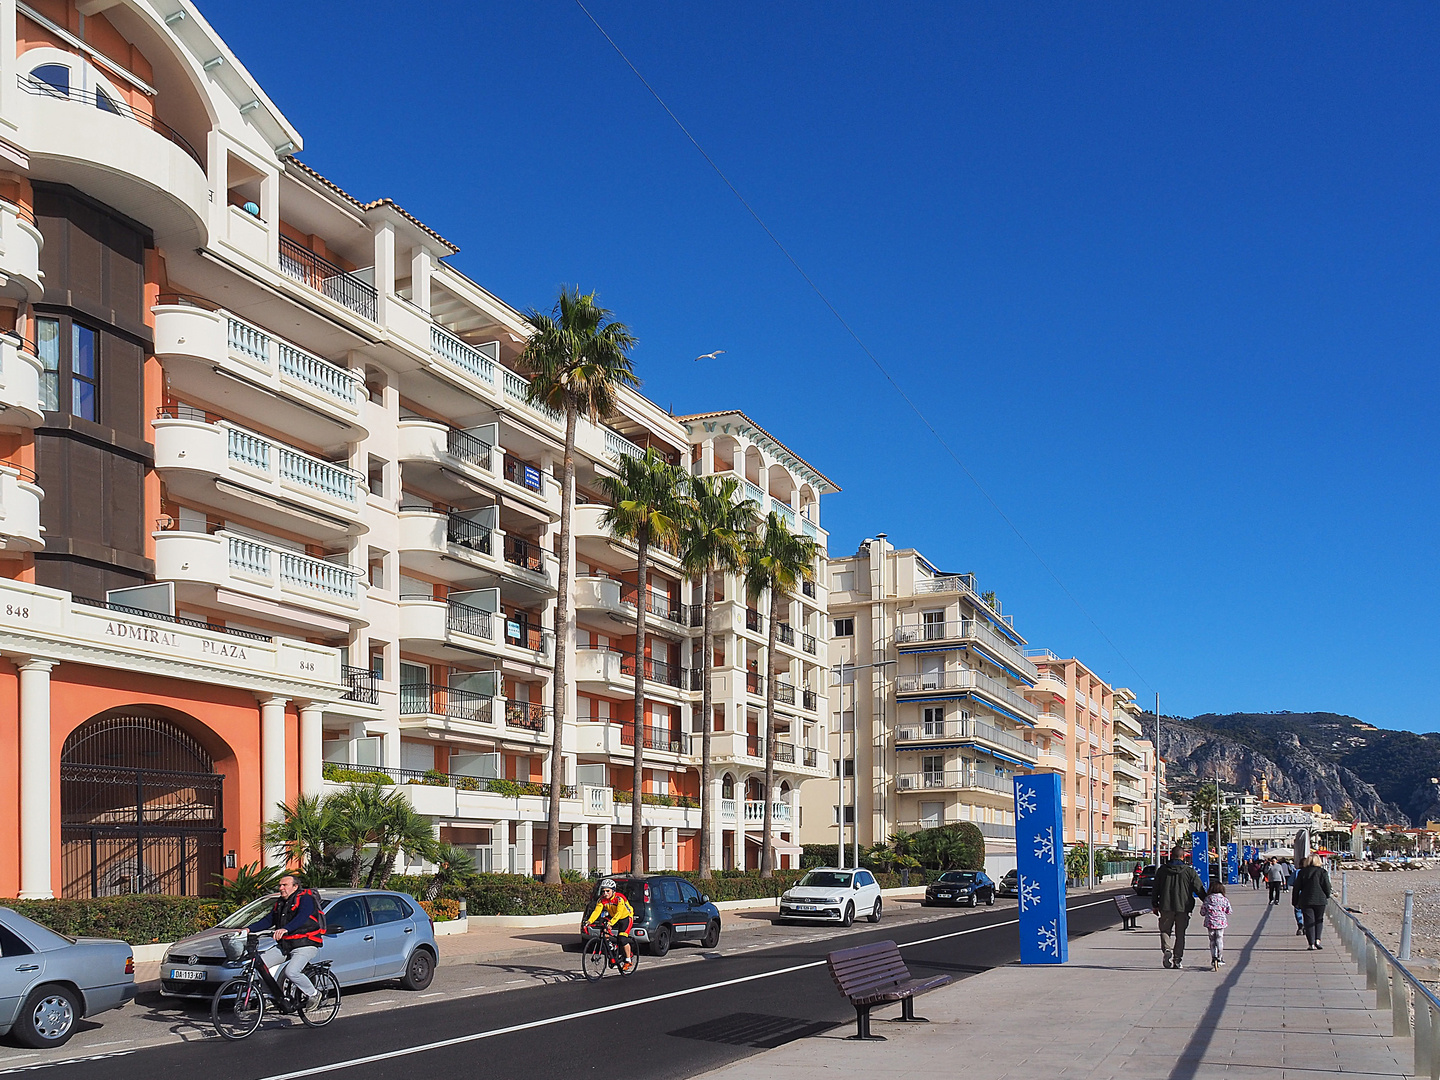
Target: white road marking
437, 993
531, 1025
65, 1061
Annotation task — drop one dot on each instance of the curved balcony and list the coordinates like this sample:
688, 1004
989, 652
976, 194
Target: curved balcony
1049, 682
125, 157
971, 633
454, 548
611, 737
967, 682
995, 790
222, 465
20, 245
610, 672
20, 405
249, 576
437, 629
20, 498
221, 360
445, 461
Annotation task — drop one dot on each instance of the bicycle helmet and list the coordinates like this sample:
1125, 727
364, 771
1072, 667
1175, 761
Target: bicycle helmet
607, 883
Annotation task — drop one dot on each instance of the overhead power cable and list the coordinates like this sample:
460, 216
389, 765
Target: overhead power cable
858, 341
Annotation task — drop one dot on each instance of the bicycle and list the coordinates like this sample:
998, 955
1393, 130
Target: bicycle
238, 1007
606, 951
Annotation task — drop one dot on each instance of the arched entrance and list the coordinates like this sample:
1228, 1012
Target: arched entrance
140, 809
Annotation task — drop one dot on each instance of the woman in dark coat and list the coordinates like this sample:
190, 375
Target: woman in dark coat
1310, 894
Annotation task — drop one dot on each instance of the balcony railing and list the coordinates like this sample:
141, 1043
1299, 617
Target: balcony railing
527, 635
524, 474
963, 630
784, 693
966, 680
527, 717
656, 738
989, 829
418, 699
785, 752
655, 603
812, 757
967, 729
753, 620
948, 583
727, 809
616, 445
809, 642
958, 778
478, 361
755, 811
518, 388
524, 554
808, 587
117, 106
787, 513
322, 275
177, 620
296, 570
809, 700
464, 619
295, 363
655, 670
754, 682
466, 533
465, 447
786, 634
361, 682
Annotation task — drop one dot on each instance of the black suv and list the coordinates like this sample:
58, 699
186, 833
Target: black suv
666, 909
1143, 880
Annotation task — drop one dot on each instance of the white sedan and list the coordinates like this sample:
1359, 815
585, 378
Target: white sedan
830, 895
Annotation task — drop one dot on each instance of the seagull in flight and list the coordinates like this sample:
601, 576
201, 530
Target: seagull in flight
710, 355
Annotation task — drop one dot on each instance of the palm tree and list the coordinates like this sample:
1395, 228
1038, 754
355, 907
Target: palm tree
401, 829
644, 507
776, 563
713, 530
577, 359
304, 835
451, 864
360, 815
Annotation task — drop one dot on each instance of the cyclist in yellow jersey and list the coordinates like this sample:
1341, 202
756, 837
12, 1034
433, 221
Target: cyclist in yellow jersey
618, 913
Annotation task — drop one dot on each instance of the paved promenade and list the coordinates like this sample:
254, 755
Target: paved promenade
1275, 1012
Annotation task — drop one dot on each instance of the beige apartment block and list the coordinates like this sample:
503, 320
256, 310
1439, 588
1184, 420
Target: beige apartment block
1074, 732
1133, 775
930, 680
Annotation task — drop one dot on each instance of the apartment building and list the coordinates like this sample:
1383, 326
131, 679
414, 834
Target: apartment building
930, 681
274, 507
1133, 773
1074, 733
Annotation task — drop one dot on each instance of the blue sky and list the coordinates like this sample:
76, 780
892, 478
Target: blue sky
1164, 276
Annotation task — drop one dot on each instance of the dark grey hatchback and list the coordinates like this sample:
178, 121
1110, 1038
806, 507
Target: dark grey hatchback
667, 909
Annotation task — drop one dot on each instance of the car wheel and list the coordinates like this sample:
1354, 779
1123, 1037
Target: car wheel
712, 936
47, 1017
419, 971
874, 916
849, 919
660, 943
990, 898
974, 899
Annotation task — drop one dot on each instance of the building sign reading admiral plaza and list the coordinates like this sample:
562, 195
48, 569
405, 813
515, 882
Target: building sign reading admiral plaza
148, 635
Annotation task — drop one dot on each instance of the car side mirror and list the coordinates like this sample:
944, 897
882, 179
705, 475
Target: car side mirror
334, 930
705, 899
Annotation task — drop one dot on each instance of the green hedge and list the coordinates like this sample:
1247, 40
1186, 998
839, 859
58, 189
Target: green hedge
140, 920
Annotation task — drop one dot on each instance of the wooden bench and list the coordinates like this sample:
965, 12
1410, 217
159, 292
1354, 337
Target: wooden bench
1130, 910
871, 975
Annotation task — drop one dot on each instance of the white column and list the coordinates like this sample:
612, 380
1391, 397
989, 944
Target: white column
312, 777
420, 265
654, 849
500, 847
524, 848
672, 849
603, 861
707, 457
35, 779
272, 764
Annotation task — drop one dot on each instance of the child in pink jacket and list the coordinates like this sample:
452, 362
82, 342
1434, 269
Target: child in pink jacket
1216, 909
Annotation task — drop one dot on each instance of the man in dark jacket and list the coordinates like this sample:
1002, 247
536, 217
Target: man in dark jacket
1311, 894
1173, 899
295, 922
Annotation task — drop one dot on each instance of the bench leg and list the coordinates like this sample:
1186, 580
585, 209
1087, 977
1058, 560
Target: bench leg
1129, 922
862, 1026
907, 1013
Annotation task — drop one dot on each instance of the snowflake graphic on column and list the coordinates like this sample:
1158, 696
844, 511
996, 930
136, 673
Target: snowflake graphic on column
1024, 801
1048, 937
1045, 845
1029, 893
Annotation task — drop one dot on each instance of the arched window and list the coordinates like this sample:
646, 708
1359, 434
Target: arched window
727, 786
54, 76
105, 103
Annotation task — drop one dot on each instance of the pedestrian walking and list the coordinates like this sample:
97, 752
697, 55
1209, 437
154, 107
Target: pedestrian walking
1275, 878
1311, 894
1173, 896
1257, 871
1216, 910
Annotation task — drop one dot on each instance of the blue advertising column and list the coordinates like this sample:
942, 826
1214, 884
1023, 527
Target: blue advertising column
1200, 855
1232, 864
1040, 863
1249, 852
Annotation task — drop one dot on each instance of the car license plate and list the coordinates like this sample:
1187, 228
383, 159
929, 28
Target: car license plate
942, 896
187, 975
806, 907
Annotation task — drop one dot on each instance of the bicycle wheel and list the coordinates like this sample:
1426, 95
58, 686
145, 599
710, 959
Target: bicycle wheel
237, 1008
627, 967
327, 1000
592, 959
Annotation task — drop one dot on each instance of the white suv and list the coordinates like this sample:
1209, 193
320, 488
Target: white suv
830, 895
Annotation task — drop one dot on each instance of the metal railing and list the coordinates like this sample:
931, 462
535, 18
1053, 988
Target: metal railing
920, 682
812, 757
463, 446
753, 619
808, 587
966, 729
464, 619
655, 603
466, 533
361, 682
754, 682
963, 630
524, 474
428, 699
1414, 1009
809, 642
655, 670
784, 693
809, 700
786, 634
177, 620
957, 778
948, 583
115, 106
325, 277
528, 635
655, 738
527, 717
785, 752
524, 554
479, 362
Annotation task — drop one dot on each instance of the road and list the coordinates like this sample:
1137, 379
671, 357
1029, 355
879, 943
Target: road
676, 1017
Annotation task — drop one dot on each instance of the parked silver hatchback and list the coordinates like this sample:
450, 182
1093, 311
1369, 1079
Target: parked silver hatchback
371, 935
49, 981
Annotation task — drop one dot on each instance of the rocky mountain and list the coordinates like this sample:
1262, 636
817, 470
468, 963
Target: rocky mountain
1337, 761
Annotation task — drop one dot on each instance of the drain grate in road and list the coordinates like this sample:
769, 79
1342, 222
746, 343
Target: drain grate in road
754, 1029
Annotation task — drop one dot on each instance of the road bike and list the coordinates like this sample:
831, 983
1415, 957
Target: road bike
239, 1005
605, 951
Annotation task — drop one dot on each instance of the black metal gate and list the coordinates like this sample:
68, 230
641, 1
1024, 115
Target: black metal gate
141, 810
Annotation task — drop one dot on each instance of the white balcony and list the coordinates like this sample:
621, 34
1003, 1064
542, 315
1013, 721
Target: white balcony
453, 548
255, 578
967, 681
755, 812
1131, 769
956, 780
585, 522
971, 731
612, 672
448, 462
450, 710
20, 498
437, 628
611, 738
20, 244
1048, 682
222, 465
928, 636
242, 371
20, 404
